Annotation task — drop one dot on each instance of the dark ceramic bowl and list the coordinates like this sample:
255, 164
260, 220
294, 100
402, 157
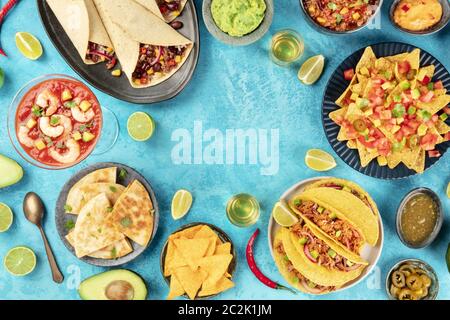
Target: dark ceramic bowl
222, 236
439, 221
440, 25
434, 288
325, 30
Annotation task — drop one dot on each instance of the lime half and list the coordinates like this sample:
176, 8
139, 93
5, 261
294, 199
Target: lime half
319, 160
311, 70
20, 261
283, 215
140, 126
28, 45
6, 217
181, 203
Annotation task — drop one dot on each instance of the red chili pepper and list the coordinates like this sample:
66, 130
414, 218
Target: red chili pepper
254, 268
3, 12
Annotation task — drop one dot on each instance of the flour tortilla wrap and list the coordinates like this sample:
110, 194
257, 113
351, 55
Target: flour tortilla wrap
291, 274
348, 186
316, 273
116, 250
154, 8
130, 25
81, 22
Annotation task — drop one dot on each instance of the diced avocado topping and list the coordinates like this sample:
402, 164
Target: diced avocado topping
66, 95
387, 85
422, 130
332, 253
398, 146
424, 114
297, 202
320, 209
338, 233
85, 105
397, 98
398, 111
405, 85
430, 86
362, 102
412, 110
286, 258
415, 94
87, 136
315, 254
311, 284
70, 104
303, 241
332, 216
443, 116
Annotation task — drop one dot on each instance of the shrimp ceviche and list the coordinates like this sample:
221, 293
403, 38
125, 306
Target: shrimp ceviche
58, 122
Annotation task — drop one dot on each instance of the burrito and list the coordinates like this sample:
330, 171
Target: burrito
166, 10
82, 24
149, 50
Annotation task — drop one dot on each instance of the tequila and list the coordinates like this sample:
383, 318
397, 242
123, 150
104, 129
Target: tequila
287, 46
243, 210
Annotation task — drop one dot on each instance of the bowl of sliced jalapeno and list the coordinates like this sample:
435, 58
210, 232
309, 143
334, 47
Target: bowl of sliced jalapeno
412, 279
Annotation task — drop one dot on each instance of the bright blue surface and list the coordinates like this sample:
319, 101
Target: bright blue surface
232, 88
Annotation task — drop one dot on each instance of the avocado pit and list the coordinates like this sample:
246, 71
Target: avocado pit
119, 290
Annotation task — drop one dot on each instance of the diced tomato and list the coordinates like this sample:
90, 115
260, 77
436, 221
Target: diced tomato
405, 7
377, 81
367, 144
378, 134
438, 85
405, 98
144, 80
428, 141
407, 130
399, 135
384, 147
404, 67
446, 110
435, 118
379, 92
447, 136
349, 74
413, 124
426, 80
23, 113
428, 97
434, 153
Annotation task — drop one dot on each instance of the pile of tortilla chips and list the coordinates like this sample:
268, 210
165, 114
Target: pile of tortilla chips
197, 262
108, 215
393, 111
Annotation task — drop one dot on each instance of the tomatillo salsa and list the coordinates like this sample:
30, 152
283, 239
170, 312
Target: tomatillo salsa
238, 17
417, 15
58, 122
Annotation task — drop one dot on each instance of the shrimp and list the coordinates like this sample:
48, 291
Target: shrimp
64, 126
81, 116
47, 100
24, 138
70, 156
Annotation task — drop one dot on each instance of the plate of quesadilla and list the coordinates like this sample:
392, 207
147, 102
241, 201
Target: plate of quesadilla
126, 48
107, 214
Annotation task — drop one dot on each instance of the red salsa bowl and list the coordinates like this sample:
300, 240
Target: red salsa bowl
54, 122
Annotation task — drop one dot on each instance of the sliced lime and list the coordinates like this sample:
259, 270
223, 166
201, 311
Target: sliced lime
29, 45
140, 126
319, 160
283, 215
6, 217
20, 261
311, 70
181, 203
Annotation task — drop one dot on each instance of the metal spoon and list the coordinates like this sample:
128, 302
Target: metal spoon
34, 212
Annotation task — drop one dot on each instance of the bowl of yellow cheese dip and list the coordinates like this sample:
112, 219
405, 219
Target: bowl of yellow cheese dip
420, 17
238, 22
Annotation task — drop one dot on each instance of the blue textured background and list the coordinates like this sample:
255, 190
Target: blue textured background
232, 88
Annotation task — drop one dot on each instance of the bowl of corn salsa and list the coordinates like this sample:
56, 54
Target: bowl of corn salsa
339, 16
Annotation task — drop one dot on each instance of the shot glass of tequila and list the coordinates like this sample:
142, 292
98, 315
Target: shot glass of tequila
287, 46
243, 210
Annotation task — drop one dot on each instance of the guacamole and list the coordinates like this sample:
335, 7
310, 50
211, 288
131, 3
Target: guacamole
238, 17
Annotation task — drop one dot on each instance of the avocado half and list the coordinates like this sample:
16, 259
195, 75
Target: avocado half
117, 284
10, 172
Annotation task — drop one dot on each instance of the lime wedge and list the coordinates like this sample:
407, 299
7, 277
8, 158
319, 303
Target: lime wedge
283, 215
181, 203
20, 261
140, 126
311, 69
319, 160
6, 217
448, 190
28, 45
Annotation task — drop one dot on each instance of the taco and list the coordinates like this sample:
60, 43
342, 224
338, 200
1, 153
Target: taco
348, 186
149, 50
82, 24
293, 276
166, 10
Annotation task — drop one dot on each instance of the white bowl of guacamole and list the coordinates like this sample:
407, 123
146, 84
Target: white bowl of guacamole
238, 22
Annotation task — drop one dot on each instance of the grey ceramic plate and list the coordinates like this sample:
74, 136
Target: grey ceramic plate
237, 41
120, 88
222, 236
62, 218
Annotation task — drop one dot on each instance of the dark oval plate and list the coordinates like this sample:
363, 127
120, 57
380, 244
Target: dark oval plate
120, 88
62, 218
222, 236
337, 85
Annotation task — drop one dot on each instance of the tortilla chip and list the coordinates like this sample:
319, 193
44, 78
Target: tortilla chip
340, 100
176, 289
211, 247
351, 144
339, 113
215, 266
435, 105
188, 233
419, 165
206, 232
365, 155
442, 127
367, 59
394, 159
222, 285
223, 248
191, 281
173, 259
398, 57
192, 250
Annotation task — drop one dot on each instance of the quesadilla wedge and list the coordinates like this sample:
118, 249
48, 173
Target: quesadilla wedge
293, 276
166, 10
106, 175
82, 24
150, 51
348, 186
349, 208
319, 259
116, 250
95, 229
89, 191
133, 213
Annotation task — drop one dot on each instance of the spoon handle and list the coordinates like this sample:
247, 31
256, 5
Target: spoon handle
56, 273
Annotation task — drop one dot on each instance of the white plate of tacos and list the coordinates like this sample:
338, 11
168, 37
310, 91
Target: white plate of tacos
97, 37
107, 214
336, 241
